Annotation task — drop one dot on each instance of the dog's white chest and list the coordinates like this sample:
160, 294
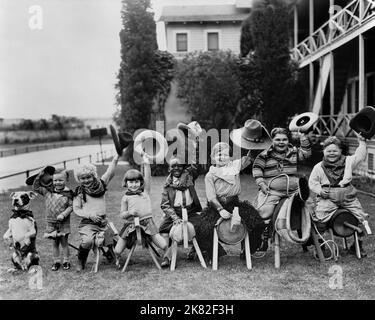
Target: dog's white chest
19, 228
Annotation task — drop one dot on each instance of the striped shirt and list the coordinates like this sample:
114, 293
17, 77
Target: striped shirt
270, 163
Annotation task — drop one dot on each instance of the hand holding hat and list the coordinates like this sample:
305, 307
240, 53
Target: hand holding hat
121, 139
45, 177
364, 122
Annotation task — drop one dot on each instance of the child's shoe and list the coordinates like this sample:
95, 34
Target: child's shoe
165, 263
56, 266
192, 255
118, 264
66, 265
265, 237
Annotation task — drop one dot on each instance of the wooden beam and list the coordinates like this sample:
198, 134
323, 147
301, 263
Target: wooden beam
295, 25
369, 24
361, 72
311, 17
332, 90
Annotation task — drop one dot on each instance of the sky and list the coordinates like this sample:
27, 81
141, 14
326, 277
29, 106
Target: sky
62, 56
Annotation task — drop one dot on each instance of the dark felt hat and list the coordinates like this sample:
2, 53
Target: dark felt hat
364, 122
253, 135
121, 139
336, 223
229, 236
46, 178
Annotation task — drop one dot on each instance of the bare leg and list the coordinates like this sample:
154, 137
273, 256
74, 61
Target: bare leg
120, 247
160, 241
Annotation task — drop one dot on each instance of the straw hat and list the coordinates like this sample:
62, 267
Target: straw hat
227, 236
176, 233
193, 128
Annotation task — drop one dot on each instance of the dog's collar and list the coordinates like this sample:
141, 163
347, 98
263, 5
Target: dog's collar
22, 214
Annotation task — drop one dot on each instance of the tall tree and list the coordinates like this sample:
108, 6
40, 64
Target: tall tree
144, 71
208, 83
269, 76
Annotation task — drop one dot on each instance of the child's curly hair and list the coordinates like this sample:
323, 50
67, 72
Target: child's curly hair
85, 169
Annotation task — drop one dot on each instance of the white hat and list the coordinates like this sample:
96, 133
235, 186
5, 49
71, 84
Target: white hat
303, 122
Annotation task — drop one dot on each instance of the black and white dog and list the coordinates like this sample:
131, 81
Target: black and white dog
22, 230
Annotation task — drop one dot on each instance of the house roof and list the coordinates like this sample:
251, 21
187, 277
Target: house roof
203, 13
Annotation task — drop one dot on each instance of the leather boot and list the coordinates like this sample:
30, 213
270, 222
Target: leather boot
265, 237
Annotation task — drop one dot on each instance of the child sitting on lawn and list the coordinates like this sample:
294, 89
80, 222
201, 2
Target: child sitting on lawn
331, 180
89, 203
137, 203
59, 206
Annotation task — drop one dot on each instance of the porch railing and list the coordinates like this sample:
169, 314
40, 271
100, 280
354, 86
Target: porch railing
340, 25
337, 125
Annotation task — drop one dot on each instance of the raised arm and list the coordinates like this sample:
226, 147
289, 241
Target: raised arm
147, 173
193, 169
360, 153
246, 160
110, 173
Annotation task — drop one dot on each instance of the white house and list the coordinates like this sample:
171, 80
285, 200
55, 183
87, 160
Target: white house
204, 27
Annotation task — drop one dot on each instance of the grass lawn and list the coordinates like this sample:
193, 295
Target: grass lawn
300, 275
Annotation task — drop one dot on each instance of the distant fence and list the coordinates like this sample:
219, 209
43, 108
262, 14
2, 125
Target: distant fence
99, 157
27, 149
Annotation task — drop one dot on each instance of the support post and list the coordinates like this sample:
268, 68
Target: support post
361, 75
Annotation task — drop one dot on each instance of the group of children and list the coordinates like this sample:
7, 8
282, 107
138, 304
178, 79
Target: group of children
222, 183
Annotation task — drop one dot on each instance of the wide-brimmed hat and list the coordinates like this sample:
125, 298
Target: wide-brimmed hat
121, 139
177, 235
193, 128
253, 135
364, 122
46, 178
228, 235
303, 122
